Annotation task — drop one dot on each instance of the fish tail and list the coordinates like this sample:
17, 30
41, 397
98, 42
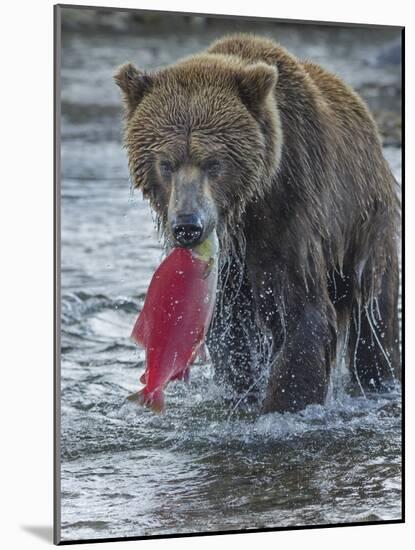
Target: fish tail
203, 353
186, 375
138, 332
135, 397
182, 375
152, 400
156, 403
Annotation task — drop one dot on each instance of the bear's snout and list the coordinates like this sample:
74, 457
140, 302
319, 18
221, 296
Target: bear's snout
187, 229
191, 212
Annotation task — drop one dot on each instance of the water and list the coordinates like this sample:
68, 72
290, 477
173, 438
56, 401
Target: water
126, 471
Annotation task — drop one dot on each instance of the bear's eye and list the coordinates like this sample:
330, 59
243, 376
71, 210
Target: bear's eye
166, 168
212, 166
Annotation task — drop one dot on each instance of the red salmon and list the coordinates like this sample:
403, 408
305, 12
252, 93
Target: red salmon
173, 323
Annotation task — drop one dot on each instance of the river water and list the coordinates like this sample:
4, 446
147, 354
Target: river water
124, 470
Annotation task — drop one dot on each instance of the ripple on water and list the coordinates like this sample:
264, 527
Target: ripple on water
202, 465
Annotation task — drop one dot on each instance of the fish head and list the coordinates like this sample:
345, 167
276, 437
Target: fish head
208, 250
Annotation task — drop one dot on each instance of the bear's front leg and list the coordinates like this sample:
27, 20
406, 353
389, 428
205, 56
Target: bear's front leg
300, 373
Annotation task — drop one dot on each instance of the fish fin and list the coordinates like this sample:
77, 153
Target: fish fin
181, 375
209, 265
203, 353
186, 375
135, 397
138, 334
143, 378
193, 357
154, 400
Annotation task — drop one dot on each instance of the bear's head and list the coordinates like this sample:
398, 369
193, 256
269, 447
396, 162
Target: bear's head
203, 140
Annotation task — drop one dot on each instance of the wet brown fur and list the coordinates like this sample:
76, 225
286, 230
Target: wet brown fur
307, 214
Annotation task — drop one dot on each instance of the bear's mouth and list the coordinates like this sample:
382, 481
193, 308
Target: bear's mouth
191, 229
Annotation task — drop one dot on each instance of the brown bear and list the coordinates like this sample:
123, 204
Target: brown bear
285, 162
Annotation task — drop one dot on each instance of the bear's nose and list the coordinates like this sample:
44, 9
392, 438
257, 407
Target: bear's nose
187, 229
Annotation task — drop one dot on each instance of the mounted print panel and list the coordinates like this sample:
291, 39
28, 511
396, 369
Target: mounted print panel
228, 310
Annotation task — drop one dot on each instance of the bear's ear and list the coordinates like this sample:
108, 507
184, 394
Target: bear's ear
255, 83
133, 83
